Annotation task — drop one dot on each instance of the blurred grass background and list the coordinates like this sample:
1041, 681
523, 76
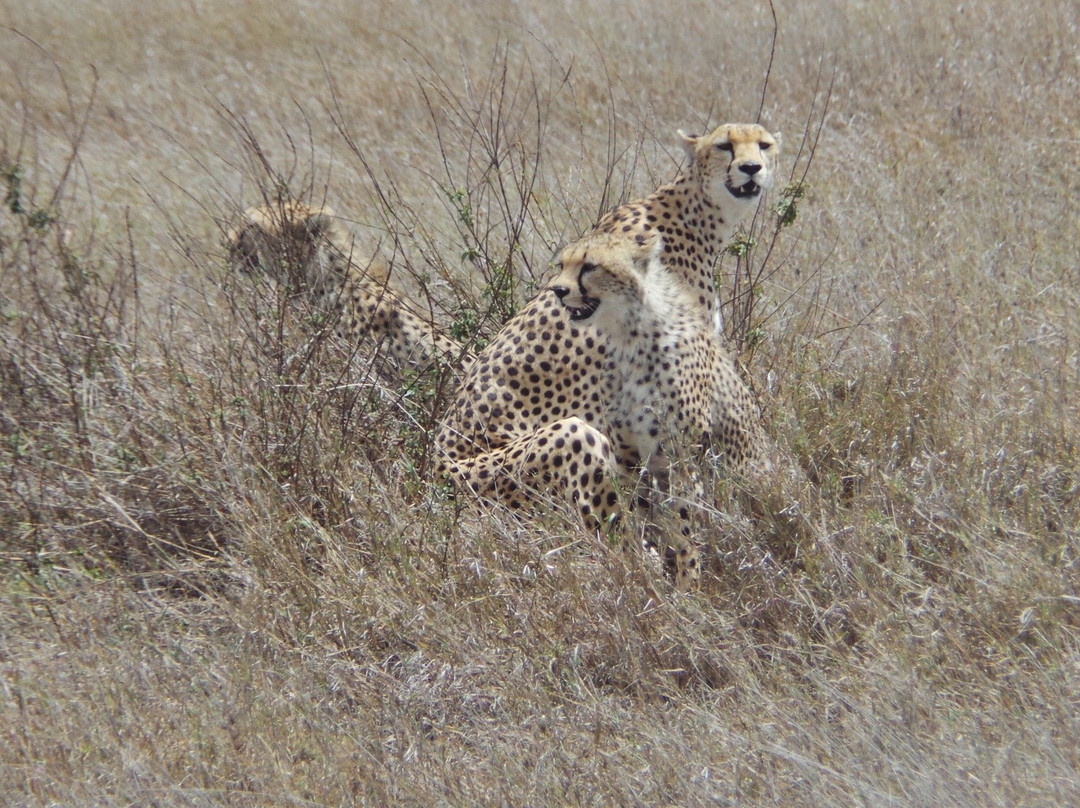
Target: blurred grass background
225, 577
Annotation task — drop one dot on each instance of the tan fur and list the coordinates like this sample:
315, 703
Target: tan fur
673, 383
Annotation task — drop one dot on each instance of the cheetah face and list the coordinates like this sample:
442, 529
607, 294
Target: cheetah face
284, 240
576, 287
734, 159
602, 275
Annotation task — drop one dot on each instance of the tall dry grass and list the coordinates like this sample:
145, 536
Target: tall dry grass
225, 574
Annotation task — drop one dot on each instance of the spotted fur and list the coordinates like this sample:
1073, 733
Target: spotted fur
672, 383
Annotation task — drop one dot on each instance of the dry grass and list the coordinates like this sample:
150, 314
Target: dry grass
225, 577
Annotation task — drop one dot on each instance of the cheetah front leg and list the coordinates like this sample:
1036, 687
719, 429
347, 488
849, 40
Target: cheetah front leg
652, 495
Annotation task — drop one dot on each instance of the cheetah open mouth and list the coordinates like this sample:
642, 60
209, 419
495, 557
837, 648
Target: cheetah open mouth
586, 310
747, 190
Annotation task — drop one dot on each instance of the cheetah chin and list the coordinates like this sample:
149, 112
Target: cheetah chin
584, 311
748, 190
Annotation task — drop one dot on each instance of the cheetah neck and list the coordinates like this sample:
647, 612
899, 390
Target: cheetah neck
664, 312
694, 228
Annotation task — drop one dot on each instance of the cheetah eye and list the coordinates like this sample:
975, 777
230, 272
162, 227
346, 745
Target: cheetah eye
727, 147
765, 146
587, 268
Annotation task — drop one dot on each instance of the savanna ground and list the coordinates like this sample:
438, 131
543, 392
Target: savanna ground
225, 575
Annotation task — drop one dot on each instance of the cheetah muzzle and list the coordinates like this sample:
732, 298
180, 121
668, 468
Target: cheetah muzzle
751, 187
578, 313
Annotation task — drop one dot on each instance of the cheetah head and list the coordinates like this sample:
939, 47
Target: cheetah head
287, 240
289, 229
734, 161
603, 274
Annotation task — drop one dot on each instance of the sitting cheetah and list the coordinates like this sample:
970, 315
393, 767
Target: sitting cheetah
543, 382
674, 390
310, 248
675, 383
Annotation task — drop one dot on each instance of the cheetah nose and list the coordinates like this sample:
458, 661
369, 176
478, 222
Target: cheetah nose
560, 291
750, 168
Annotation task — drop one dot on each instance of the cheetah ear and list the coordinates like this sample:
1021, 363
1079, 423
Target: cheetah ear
689, 143
319, 223
778, 138
652, 247
656, 247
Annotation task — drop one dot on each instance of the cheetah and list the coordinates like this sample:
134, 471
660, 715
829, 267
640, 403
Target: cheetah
310, 248
546, 375
676, 393
675, 382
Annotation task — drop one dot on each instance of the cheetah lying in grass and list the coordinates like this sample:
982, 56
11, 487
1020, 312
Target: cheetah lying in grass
309, 248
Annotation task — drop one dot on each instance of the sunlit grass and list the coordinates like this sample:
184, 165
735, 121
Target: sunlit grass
226, 576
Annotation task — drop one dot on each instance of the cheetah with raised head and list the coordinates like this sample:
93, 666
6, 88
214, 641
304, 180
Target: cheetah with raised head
309, 248
546, 376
